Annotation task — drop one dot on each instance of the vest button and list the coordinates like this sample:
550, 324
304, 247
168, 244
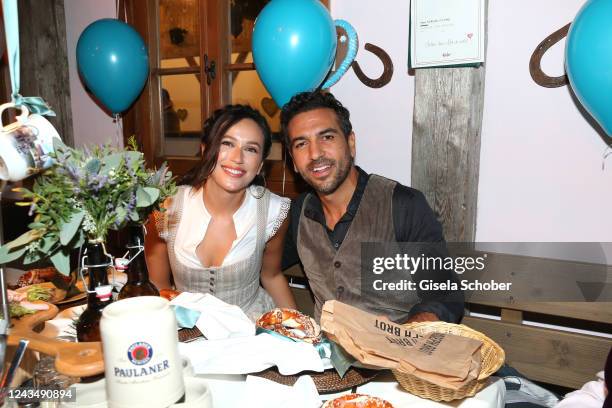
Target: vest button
339, 291
337, 264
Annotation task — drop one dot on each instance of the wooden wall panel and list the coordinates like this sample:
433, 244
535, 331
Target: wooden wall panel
446, 145
44, 59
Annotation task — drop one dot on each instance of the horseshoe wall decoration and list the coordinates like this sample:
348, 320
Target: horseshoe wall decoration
387, 74
535, 68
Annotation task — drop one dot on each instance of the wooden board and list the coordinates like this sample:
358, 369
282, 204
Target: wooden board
179, 15
447, 120
551, 356
591, 311
72, 359
44, 60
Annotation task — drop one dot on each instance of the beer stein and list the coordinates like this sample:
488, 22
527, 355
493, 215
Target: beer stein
141, 359
25, 145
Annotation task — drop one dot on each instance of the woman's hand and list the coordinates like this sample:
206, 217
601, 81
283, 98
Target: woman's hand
272, 278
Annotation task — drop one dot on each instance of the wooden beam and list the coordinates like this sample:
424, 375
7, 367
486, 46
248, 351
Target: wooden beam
44, 60
446, 145
600, 312
447, 121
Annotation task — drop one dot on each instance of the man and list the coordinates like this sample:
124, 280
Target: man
349, 207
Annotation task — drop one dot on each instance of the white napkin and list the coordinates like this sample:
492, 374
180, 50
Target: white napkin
243, 355
262, 393
218, 320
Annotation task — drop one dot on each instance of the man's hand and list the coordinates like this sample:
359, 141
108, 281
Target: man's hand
423, 317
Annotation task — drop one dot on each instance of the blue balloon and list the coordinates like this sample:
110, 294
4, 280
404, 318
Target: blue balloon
113, 62
294, 46
588, 60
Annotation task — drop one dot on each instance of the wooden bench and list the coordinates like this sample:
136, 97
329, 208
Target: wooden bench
567, 355
560, 343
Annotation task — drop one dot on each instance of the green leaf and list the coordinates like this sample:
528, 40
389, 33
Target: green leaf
61, 261
134, 216
80, 239
24, 239
93, 166
6, 256
143, 199
36, 225
111, 162
31, 257
68, 229
47, 243
121, 213
153, 193
58, 144
135, 158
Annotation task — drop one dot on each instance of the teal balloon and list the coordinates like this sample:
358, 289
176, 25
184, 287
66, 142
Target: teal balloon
588, 60
113, 62
294, 46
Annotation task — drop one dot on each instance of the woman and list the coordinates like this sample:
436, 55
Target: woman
220, 234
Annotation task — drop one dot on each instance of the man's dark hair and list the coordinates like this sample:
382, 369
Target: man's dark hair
307, 101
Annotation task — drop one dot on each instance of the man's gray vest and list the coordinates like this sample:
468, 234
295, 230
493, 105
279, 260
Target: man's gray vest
336, 274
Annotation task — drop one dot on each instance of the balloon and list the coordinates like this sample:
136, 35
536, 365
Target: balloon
294, 46
588, 60
113, 62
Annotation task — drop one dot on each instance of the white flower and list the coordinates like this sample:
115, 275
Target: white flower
89, 225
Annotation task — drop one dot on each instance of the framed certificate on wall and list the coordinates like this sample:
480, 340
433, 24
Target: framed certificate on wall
446, 32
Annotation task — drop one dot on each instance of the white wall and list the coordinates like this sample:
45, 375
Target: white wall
382, 118
540, 175
90, 123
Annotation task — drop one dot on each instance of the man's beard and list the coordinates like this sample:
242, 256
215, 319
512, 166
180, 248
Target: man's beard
342, 170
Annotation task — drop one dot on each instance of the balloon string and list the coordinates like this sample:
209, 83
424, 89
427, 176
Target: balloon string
607, 153
119, 130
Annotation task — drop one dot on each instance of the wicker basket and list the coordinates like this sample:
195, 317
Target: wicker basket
492, 358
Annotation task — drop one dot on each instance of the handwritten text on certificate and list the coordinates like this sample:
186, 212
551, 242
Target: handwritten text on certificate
446, 32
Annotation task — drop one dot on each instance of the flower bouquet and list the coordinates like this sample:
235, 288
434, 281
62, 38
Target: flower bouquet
82, 196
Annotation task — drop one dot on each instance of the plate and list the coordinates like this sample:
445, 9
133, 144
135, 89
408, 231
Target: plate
59, 297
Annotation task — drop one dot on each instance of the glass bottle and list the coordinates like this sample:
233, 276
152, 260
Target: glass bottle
98, 292
138, 283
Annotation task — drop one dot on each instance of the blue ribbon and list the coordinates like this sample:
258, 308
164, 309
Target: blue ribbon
351, 53
34, 104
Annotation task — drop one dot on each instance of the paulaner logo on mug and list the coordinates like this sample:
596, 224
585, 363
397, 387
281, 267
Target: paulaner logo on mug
25, 145
141, 360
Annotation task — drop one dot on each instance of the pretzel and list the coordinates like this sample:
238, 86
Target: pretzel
292, 324
357, 401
